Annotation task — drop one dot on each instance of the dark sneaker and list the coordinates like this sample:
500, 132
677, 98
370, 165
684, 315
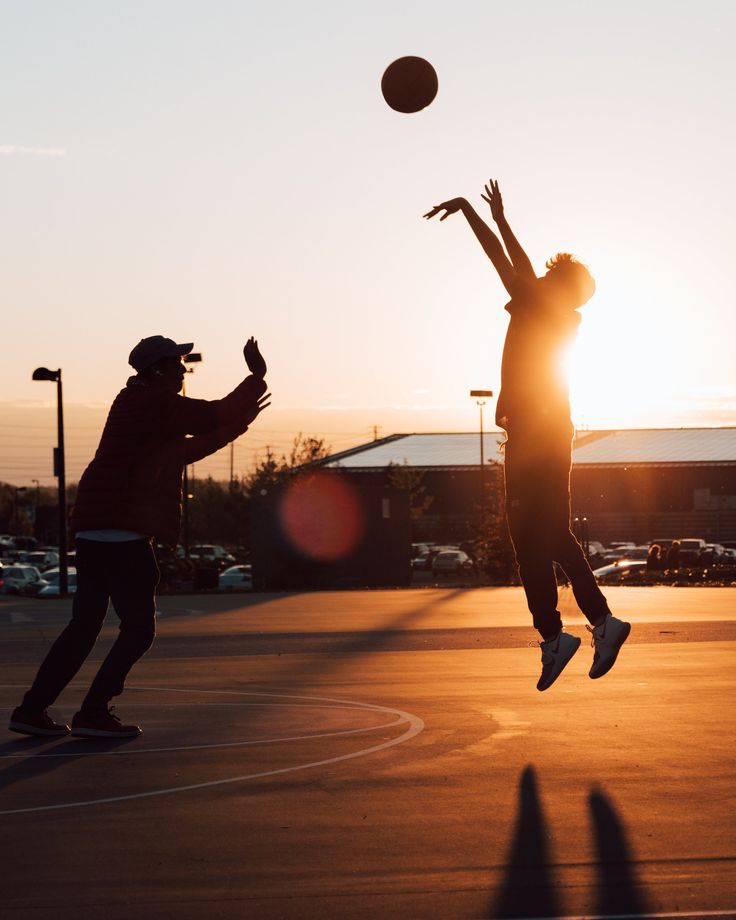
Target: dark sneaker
607, 641
26, 722
101, 723
555, 655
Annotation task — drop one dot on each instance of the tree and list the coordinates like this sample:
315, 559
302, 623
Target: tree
494, 551
408, 479
273, 471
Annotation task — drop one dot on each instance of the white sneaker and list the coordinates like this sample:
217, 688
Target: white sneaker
607, 641
555, 655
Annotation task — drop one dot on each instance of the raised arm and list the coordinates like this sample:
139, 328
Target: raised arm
486, 237
520, 260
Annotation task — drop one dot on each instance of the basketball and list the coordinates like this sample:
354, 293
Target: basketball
409, 84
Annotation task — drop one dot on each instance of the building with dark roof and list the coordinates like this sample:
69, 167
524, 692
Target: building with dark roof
636, 484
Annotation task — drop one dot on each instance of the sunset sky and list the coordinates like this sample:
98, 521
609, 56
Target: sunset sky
211, 171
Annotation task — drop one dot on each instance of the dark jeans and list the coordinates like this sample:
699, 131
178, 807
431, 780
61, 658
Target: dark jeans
127, 574
537, 470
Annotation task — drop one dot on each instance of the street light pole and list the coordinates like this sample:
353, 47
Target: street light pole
480, 397
43, 373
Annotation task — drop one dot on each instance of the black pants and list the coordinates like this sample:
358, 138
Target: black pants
127, 574
537, 470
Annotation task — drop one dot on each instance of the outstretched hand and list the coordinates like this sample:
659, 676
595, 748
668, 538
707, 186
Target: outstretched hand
254, 359
256, 409
452, 206
494, 199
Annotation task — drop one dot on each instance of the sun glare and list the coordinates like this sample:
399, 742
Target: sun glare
624, 374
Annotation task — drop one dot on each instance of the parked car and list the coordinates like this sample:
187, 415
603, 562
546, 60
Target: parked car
712, 554
618, 571
236, 578
42, 559
18, 579
421, 557
451, 562
636, 552
50, 578
690, 550
209, 552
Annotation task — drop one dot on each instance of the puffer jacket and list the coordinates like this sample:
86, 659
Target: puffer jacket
134, 481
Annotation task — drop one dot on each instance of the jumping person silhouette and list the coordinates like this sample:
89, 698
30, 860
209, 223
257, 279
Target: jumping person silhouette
129, 495
534, 410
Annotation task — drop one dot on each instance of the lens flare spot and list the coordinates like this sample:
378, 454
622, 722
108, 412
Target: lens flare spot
321, 516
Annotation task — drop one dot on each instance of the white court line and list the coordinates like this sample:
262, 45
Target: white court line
415, 726
688, 915
198, 747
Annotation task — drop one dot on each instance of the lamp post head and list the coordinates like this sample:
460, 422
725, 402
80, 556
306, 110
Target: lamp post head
43, 373
482, 394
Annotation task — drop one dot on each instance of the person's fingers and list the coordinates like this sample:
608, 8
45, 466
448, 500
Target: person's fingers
484, 198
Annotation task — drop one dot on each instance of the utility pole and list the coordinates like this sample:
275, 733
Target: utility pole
194, 358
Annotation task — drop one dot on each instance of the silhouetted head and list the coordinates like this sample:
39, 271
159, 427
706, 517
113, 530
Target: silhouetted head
159, 360
570, 277
168, 373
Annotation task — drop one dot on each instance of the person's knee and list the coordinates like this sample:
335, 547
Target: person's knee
566, 547
139, 635
84, 629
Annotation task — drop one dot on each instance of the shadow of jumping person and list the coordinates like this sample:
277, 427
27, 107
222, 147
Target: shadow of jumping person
619, 891
529, 888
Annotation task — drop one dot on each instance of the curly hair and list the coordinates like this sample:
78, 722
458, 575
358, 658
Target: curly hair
573, 274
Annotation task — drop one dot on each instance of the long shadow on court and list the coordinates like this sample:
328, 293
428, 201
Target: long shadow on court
619, 889
530, 887
356, 643
26, 757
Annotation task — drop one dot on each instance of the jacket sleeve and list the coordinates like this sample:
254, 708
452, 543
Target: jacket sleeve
202, 445
203, 416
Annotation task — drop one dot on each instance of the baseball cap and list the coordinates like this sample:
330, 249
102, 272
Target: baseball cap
150, 350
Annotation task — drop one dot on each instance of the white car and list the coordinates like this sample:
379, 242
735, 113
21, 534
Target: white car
20, 579
236, 578
51, 579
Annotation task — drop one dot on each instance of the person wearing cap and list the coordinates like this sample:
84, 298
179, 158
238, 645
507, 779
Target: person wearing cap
129, 496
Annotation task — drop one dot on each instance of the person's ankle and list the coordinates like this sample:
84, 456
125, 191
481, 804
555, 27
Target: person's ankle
551, 637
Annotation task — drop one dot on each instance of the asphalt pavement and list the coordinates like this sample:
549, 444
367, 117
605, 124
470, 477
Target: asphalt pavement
382, 754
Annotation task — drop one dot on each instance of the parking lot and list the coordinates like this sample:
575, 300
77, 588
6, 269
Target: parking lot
381, 753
